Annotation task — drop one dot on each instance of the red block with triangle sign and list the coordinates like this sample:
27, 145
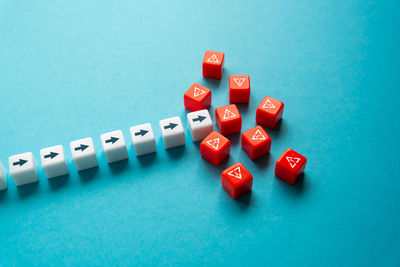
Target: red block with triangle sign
290, 166
213, 62
236, 180
215, 148
239, 89
269, 112
228, 119
256, 142
197, 97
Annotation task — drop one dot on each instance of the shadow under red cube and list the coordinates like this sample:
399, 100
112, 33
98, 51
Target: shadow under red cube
228, 119
213, 62
236, 180
197, 97
215, 148
269, 112
290, 166
239, 89
256, 142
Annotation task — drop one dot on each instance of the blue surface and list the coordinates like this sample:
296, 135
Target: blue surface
70, 70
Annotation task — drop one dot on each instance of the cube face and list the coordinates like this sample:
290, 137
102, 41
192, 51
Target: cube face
114, 146
172, 132
197, 97
256, 142
83, 154
236, 180
23, 168
269, 112
143, 139
200, 124
215, 148
228, 119
239, 89
3, 178
213, 62
290, 166
53, 161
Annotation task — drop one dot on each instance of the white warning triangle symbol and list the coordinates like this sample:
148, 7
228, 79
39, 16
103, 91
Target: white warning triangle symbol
239, 81
236, 173
258, 136
213, 59
198, 91
213, 143
268, 104
229, 114
293, 161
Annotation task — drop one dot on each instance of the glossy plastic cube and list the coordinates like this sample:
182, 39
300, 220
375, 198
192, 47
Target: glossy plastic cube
23, 168
256, 142
197, 97
200, 124
239, 89
236, 180
53, 161
228, 119
114, 146
215, 148
269, 112
290, 166
213, 62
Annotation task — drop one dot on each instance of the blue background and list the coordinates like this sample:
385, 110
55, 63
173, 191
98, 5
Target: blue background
73, 69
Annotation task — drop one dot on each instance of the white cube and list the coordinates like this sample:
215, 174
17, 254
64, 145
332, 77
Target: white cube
3, 178
172, 132
23, 168
200, 124
83, 154
114, 146
53, 161
143, 139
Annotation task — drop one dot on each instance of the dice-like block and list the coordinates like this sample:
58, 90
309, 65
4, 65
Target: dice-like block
114, 146
236, 180
197, 97
256, 142
269, 112
53, 161
215, 148
239, 89
213, 64
23, 168
228, 119
200, 124
83, 154
143, 139
172, 132
3, 178
290, 166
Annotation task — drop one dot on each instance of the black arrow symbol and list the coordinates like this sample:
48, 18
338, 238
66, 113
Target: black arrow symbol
171, 126
82, 147
141, 132
199, 118
20, 162
51, 155
112, 140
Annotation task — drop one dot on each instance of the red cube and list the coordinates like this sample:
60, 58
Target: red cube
212, 64
215, 148
239, 89
269, 112
236, 180
256, 142
197, 97
228, 119
290, 166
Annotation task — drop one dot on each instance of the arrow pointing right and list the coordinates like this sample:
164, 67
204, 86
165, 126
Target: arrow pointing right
141, 132
199, 118
171, 126
20, 162
51, 155
82, 147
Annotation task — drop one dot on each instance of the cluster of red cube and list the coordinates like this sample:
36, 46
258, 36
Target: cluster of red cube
215, 148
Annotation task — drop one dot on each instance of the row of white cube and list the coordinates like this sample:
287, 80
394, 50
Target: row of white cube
23, 169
